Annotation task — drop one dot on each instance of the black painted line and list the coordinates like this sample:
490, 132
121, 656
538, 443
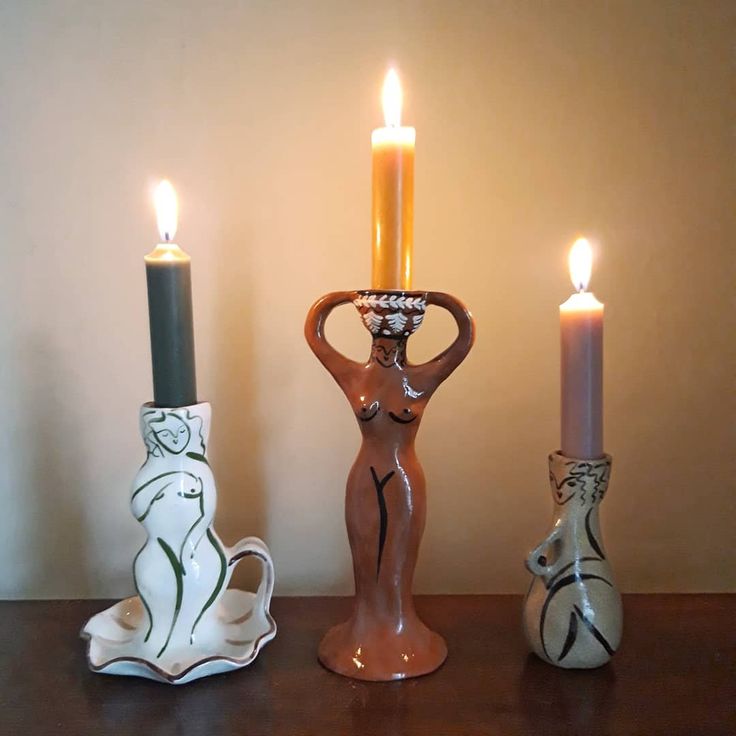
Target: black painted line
563, 583
572, 633
382, 513
593, 541
400, 420
593, 630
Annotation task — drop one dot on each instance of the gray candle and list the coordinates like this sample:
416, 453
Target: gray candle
168, 273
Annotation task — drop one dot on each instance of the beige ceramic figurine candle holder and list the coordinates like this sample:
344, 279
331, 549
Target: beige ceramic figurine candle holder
184, 623
385, 503
572, 613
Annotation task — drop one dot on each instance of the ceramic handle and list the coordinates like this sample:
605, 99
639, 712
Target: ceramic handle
257, 548
532, 560
314, 331
450, 358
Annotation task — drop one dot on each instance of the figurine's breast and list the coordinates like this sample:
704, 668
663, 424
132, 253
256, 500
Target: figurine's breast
377, 401
375, 410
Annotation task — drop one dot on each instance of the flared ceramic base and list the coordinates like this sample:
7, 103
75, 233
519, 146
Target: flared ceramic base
382, 655
116, 643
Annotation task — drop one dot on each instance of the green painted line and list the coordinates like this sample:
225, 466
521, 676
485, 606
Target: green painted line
157, 497
140, 595
176, 565
200, 496
158, 477
218, 587
197, 456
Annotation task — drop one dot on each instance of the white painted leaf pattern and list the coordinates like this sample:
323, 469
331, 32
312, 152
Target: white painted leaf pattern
396, 321
372, 321
390, 301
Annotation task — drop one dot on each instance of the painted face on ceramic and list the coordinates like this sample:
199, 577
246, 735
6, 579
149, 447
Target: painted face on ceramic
564, 487
171, 433
586, 479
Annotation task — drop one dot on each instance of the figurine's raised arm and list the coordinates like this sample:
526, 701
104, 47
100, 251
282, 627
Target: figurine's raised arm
442, 365
314, 330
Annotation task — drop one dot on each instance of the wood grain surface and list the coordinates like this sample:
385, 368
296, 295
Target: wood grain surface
674, 674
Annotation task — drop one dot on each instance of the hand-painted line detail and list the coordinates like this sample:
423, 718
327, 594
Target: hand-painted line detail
398, 419
591, 538
562, 583
179, 574
596, 633
218, 585
382, 513
572, 633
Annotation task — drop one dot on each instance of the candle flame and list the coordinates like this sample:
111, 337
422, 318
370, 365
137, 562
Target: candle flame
392, 97
166, 210
580, 261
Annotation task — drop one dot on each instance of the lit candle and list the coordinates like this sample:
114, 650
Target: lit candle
393, 193
581, 332
169, 280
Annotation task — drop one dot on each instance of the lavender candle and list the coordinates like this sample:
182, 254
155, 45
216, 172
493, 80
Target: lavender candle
581, 369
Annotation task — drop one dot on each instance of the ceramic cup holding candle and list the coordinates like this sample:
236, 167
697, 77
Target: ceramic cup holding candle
572, 613
385, 502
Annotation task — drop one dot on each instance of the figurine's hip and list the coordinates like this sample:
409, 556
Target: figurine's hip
573, 618
179, 586
389, 484
385, 510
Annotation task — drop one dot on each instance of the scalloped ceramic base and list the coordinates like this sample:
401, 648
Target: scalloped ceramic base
116, 644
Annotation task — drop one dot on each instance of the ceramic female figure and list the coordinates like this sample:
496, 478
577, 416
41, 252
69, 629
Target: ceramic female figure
184, 623
572, 613
385, 505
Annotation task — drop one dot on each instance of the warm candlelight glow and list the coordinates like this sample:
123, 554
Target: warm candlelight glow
393, 193
166, 210
581, 361
581, 264
392, 99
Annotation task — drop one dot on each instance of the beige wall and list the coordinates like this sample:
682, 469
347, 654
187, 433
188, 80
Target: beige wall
535, 121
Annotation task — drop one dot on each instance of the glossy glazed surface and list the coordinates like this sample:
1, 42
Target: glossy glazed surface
385, 502
572, 613
184, 623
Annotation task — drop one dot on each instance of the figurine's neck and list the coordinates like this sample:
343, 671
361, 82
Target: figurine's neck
389, 352
577, 508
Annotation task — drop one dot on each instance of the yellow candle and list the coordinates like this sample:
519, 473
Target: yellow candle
393, 193
581, 369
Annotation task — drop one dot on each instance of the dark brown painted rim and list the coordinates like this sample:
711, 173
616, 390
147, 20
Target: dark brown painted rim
392, 292
604, 459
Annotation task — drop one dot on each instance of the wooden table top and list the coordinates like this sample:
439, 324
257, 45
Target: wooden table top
674, 674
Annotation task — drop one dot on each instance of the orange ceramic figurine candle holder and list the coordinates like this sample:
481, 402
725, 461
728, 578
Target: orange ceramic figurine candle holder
385, 504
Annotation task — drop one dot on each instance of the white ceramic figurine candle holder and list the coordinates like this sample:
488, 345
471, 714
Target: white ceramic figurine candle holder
572, 613
184, 623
